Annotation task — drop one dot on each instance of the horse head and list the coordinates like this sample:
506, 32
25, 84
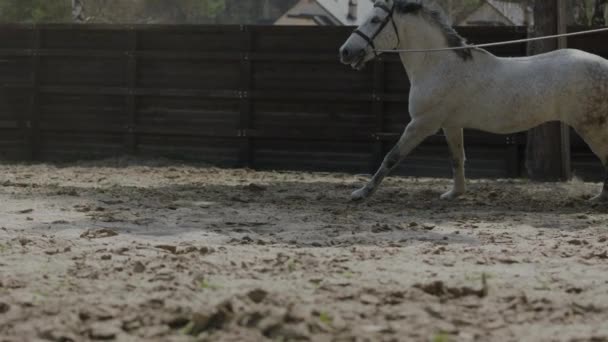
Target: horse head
398, 24
378, 32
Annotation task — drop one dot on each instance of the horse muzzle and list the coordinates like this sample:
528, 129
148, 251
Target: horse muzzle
356, 59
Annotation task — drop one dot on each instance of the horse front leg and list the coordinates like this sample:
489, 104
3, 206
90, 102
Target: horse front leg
455, 139
414, 134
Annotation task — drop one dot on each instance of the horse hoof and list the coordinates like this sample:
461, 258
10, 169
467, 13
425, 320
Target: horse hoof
601, 198
359, 195
451, 195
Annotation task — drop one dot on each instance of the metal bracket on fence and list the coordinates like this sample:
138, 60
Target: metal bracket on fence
511, 140
380, 136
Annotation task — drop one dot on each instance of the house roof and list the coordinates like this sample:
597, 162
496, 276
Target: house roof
326, 12
338, 9
307, 12
513, 11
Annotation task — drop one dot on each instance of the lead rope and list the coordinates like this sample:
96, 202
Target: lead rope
508, 42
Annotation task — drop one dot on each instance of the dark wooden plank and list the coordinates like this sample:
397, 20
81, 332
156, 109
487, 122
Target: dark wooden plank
294, 154
69, 145
33, 123
215, 132
83, 71
86, 110
213, 150
4, 124
246, 86
76, 39
131, 121
379, 87
310, 95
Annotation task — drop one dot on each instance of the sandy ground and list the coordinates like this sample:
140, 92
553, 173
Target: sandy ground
152, 251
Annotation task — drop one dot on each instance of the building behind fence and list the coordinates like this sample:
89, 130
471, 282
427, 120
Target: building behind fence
261, 97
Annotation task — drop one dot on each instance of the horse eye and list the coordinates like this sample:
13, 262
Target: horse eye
375, 20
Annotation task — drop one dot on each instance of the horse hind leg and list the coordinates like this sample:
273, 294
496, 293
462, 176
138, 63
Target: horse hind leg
454, 137
603, 196
597, 139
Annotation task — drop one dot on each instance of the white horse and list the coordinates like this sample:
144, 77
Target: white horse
471, 88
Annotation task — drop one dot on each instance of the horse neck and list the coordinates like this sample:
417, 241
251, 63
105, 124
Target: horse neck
423, 36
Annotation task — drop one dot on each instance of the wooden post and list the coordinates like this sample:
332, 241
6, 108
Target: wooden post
378, 112
33, 122
131, 120
545, 159
562, 43
246, 148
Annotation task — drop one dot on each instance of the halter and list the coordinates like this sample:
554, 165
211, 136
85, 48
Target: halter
389, 17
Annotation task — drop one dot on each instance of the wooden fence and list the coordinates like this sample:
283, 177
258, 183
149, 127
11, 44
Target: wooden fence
262, 97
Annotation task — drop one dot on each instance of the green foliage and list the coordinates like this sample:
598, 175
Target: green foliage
580, 12
204, 285
187, 10
212, 8
441, 337
326, 318
147, 11
35, 11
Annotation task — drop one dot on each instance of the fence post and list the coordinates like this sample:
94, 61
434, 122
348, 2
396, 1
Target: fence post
513, 157
33, 122
131, 120
379, 87
544, 150
246, 121
562, 43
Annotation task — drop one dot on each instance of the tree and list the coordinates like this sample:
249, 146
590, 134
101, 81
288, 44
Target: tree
599, 18
456, 8
35, 11
145, 11
78, 15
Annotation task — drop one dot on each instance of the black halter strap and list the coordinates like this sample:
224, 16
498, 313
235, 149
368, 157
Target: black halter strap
370, 41
384, 7
389, 17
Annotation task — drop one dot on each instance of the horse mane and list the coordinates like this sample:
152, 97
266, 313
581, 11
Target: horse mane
437, 17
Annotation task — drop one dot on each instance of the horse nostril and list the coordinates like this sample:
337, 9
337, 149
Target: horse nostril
345, 53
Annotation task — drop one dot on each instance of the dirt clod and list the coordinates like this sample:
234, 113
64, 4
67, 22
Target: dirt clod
103, 331
257, 295
98, 233
256, 187
168, 248
439, 289
139, 267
